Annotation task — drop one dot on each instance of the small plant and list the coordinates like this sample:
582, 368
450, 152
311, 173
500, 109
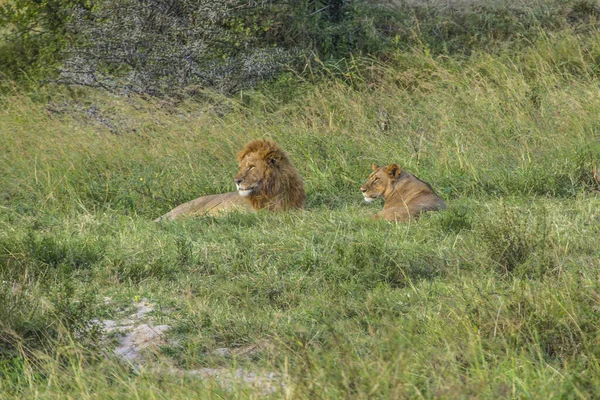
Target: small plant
514, 237
455, 219
587, 172
76, 309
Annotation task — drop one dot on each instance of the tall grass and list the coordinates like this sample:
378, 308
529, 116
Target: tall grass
495, 297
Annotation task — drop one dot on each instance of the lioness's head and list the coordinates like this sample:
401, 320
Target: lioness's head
258, 162
379, 181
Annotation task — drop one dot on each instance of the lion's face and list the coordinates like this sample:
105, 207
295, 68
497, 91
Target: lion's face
379, 181
267, 178
251, 175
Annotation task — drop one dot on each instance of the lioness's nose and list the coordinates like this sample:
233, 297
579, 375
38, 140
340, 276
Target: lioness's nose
238, 181
363, 190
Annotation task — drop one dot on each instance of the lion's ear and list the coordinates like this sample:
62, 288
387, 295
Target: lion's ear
273, 158
241, 155
374, 167
393, 170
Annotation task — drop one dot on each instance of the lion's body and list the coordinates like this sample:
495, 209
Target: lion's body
406, 196
208, 205
266, 180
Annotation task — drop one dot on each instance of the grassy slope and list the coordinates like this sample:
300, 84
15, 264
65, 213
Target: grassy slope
496, 297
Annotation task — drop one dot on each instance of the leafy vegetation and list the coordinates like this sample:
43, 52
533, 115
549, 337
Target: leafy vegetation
33, 35
495, 297
168, 47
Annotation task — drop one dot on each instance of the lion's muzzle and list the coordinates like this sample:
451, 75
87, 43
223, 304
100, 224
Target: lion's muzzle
243, 190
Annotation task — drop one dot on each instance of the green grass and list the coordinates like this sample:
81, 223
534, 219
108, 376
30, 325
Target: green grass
495, 297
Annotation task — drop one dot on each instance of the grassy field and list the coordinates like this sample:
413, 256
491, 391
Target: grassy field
496, 297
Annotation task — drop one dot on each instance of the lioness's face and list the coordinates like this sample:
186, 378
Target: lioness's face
251, 174
378, 182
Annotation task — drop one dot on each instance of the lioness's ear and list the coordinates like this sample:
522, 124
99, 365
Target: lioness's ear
374, 167
393, 170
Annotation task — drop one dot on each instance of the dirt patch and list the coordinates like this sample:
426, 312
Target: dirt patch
138, 336
141, 337
265, 382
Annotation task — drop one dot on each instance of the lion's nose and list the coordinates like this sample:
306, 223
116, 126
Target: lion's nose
238, 181
363, 190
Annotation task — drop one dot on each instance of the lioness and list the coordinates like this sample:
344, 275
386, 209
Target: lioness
405, 195
266, 179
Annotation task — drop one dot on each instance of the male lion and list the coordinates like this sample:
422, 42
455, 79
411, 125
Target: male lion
266, 179
405, 195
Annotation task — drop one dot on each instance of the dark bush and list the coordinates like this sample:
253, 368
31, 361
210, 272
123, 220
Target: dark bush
157, 46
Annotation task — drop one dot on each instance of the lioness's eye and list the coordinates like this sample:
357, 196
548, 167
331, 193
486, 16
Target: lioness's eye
375, 180
251, 167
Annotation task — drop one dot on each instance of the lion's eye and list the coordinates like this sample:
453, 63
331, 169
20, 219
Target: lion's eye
251, 167
375, 180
